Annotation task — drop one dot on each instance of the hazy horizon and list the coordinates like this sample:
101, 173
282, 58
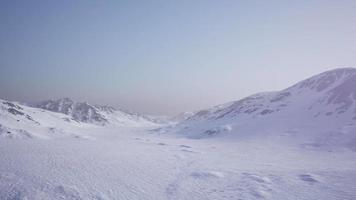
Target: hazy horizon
166, 57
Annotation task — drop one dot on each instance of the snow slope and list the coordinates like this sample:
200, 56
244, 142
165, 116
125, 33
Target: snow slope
320, 111
20, 121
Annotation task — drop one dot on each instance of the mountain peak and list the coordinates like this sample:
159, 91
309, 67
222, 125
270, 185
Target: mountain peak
342, 70
83, 112
326, 80
90, 113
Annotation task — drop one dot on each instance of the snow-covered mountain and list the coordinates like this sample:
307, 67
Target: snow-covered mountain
59, 118
323, 107
81, 151
319, 110
96, 114
19, 121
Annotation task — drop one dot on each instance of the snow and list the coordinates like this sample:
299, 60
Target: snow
317, 110
249, 149
132, 164
95, 114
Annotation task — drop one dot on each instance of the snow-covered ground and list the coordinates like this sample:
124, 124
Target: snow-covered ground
133, 163
294, 144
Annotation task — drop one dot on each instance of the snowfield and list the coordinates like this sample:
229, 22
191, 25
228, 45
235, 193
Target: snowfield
133, 164
294, 144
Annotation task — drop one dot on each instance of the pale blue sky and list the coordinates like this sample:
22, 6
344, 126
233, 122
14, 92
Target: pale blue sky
163, 57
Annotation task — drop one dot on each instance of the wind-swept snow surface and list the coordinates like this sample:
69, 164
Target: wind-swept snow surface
298, 143
131, 164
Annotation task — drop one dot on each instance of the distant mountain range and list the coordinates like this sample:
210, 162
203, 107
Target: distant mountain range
318, 111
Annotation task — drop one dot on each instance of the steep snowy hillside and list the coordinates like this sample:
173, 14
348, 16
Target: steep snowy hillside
95, 114
322, 107
61, 118
19, 121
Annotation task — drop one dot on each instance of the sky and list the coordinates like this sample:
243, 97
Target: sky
165, 57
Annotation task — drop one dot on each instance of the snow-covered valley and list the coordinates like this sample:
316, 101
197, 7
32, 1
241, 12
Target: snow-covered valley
131, 164
298, 143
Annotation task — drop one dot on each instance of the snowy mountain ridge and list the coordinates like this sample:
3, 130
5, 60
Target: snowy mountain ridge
61, 118
323, 107
87, 113
335, 87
